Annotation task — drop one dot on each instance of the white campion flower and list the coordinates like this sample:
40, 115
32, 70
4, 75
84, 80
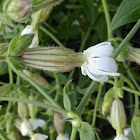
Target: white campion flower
29, 30
99, 64
120, 137
26, 127
62, 137
38, 136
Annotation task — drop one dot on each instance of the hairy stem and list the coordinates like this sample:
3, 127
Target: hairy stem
73, 134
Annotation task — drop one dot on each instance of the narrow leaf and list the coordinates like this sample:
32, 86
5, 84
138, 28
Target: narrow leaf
5, 20
128, 11
66, 100
86, 132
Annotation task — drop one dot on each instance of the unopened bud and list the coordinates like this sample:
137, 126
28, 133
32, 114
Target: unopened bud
59, 126
19, 10
38, 4
52, 59
62, 137
3, 48
40, 16
118, 117
36, 78
23, 110
135, 125
134, 55
108, 99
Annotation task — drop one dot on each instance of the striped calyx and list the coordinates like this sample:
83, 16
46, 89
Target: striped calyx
52, 58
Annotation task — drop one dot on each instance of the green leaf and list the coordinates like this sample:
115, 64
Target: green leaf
135, 125
86, 132
3, 68
5, 20
16, 63
19, 44
128, 11
66, 99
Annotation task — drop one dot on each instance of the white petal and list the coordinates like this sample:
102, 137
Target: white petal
62, 137
100, 50
120, 137
37, 123
127, 131
83, 69
98, 78
26, 128
38, 136
106, 64
35, 41
27, 30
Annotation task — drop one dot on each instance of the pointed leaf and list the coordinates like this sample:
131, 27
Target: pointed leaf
66, 99
128, 11
86, 132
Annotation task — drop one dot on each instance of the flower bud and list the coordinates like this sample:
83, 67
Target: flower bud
118, 117
134, 55
52, 58
108, 99
135, 125
40, 16
38, 4
57, 123
3, 48
36, 78
19, 10
23, 110
62, 137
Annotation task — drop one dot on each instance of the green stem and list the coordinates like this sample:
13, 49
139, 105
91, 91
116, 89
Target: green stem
3, 136
126, 88
136, 96
40, 89
107, 16
52, 36
96, 105
86, 97
10, 75
37, 103
74, 132
133, 79
127, 39
2, 57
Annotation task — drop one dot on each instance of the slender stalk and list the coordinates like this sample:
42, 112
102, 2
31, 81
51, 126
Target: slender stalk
73, 134
86, 97
107, 16
37, 103
96, 105
3, 136
126, 88
10, 75
136, 96
133, 79
40, 89
52, 36
127, 39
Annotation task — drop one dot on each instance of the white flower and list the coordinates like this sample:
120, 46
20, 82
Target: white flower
26, 127
99, 64
29, 30
127, 131
38, 136
120, 137
62, 137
